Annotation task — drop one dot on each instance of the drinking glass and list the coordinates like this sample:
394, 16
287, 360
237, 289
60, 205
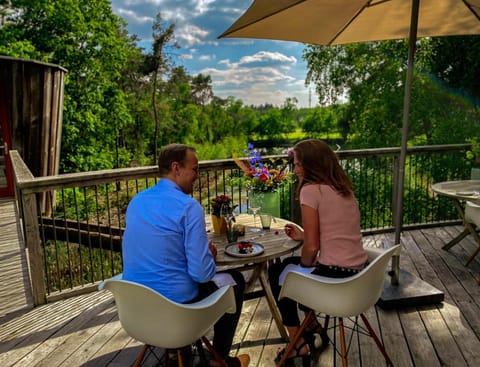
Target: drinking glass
232, 234
266, 220
254, 205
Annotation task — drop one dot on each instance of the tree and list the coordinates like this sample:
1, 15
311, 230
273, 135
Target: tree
455, 61
272, 123
319, 120
202, 92
157, 65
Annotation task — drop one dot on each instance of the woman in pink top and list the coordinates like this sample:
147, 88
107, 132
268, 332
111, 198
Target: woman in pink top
332, 240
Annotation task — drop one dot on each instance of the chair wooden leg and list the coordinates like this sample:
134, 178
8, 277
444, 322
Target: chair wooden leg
139, 359
377, 341
214, 352
343, 345
180, 358
291, 344
476, 237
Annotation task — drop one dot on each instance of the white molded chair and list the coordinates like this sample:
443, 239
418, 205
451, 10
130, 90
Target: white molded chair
153, 319
472, 213
472, 222
340, 297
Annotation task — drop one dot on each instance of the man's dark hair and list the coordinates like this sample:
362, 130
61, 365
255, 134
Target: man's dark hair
172, 153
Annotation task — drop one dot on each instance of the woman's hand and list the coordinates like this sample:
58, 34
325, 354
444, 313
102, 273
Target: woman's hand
213, 249
294, 232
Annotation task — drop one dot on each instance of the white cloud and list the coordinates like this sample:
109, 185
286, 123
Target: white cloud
263, 77
202, 6
191, 35
266, 56
243, 76
186, 57
132, 17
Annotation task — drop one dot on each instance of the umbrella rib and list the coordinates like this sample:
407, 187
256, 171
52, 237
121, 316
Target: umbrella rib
368, 4
228, 31
467, 4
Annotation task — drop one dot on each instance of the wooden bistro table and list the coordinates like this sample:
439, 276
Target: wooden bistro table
459, 191
275, 243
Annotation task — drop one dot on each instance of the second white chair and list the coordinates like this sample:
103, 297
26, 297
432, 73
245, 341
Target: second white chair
340, 297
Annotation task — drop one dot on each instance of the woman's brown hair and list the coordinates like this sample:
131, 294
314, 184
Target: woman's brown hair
321, 166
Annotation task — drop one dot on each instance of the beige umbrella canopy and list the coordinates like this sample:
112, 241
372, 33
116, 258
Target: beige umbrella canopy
334, 22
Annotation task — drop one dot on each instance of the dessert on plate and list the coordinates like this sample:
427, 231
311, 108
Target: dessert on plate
245, 247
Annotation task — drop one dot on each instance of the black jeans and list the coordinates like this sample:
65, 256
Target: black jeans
288, 307
224, 329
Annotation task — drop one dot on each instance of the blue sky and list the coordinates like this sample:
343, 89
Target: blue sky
255, 71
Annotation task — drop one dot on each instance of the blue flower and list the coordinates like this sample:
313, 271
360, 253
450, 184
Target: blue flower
260, 176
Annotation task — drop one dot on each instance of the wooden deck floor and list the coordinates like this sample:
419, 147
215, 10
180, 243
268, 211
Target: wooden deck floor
14, 280
84, 331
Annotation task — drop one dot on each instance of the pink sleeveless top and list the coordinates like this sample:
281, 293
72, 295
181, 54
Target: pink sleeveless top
339, 216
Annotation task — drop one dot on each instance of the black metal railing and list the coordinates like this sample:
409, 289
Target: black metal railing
74, 222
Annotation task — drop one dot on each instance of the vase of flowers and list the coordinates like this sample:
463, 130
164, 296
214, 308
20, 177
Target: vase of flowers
222, 213
474, 156
269, 203
264, 180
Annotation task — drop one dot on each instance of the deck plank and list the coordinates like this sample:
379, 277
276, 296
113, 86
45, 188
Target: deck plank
75, 340
394, 338
85, 331
15, 291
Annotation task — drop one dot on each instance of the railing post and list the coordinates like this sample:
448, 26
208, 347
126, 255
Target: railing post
27, 203
34, 247
395, 258
394, 188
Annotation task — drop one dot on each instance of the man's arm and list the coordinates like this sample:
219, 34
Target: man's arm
200, 256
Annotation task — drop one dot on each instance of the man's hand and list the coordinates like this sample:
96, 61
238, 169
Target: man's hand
213, 249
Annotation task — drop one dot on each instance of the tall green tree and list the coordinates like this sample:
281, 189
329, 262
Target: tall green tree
202, 92
320, 121
157, 65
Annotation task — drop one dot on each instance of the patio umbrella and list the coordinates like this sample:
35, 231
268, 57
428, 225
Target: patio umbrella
334, 22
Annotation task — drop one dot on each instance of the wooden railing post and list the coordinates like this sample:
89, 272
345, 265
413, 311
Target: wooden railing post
34, 247
27, 203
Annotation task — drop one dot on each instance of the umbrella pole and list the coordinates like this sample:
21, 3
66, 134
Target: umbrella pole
403, 147
413, 291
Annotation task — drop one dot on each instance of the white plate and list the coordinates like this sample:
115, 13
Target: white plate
233, 250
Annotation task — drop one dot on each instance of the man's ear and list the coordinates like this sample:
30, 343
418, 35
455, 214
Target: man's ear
175, 167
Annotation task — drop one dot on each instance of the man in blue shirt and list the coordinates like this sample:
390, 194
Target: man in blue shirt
165, 245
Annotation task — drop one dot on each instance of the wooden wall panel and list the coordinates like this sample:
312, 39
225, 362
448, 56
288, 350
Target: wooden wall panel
35, 100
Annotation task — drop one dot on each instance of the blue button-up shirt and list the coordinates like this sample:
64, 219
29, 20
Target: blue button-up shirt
165, 244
